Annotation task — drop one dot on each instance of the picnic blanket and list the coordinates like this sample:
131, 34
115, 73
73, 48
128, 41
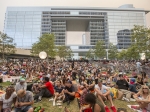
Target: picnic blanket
10, 78
134, 109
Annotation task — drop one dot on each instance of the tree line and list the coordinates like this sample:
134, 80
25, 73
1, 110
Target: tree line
140, 37
140, 43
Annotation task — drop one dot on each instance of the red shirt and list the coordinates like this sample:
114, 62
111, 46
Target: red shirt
49, 86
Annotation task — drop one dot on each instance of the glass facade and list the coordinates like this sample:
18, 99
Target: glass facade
120, 24
27, 24
24, 27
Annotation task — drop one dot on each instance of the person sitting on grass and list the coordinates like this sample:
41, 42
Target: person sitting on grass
132, 85
21, 85
46, 90
24, 101
58, 91
69, 92
123, 87
6, 100
29, 77
103, 93
143, 99
92, 103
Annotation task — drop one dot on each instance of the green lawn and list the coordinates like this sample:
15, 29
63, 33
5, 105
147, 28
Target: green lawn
73, 107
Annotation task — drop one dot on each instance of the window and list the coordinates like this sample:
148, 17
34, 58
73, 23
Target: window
12, 12
39, 13
29, 13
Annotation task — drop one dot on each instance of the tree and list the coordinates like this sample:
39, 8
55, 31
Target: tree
6, 45
70, 53
122, 54
90, 54
45, 43
132, 52
99, 50
63, 51
112, 52
141, 39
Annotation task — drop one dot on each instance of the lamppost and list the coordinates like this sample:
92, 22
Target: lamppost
107, 54
42, 55
143, 57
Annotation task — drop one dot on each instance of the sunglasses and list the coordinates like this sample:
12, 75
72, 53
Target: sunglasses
144, 88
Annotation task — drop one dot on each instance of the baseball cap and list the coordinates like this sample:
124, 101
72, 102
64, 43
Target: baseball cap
22, 80
69, 81
132, 80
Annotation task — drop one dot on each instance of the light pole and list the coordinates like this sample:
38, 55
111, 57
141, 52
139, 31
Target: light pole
107, 54
42, 55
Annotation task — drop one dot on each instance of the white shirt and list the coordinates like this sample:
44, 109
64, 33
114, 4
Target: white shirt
138, 64
103, 89
19, 86
8, 102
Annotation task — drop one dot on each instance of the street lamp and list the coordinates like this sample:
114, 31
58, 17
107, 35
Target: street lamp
143, 56
107, 54
43, 55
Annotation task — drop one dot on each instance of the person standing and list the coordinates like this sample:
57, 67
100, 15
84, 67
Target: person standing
138, 66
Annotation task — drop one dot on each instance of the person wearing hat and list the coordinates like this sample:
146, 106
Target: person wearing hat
24, 101
21, 85
69, 92
132, 85
103, 93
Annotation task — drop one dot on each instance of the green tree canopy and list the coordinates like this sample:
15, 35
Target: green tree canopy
112, 52
99, 50
90, 54
132, 52
45, 43
141, 39
6, 45
63, 51
122, 54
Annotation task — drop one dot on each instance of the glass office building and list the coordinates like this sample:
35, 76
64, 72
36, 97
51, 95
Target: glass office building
78, 28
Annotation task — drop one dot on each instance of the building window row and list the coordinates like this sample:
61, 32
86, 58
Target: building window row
92, 13
56, 12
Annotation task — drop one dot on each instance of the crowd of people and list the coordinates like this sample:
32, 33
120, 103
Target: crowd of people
92, 83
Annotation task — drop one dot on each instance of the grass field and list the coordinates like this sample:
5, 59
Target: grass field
73, 107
